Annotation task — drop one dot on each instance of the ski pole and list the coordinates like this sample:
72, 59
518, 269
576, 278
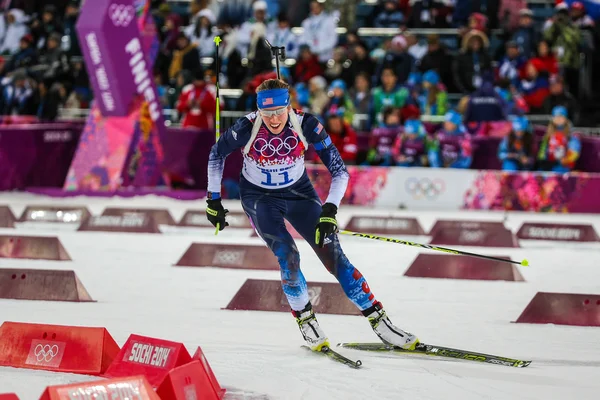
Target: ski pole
217, 41
523, 263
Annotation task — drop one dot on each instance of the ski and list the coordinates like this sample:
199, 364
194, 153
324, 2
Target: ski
439, 351
335, 356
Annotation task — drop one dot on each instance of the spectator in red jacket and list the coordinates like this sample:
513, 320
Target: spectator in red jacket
342, 135
307, 66
545, 60
197, 103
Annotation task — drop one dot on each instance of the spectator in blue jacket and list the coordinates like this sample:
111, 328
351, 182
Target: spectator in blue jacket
452, 147
516, 149
485, 104
390, 16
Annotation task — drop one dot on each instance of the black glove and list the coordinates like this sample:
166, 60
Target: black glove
216, 214
327, 224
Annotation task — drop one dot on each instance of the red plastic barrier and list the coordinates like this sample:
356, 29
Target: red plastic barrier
475, 237
42, 284
133, 387
71, 214
147, 356
190, 381
199, 355
465, 224
229, 256
8, 396
562, 309
74, 349
162, 216
385, 225
197, 218
130, 223
33, 247
560, 232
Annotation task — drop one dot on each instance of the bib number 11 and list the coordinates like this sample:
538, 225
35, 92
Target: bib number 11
276, 179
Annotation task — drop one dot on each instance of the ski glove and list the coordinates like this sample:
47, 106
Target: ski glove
216, 214
327, 224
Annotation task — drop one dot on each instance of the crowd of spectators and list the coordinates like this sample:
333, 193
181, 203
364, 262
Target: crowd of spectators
501, 67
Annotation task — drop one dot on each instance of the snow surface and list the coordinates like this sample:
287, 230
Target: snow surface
140, 291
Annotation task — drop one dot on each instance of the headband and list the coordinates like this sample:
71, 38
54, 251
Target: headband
273, 98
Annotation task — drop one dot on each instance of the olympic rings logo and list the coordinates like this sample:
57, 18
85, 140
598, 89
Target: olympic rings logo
45, 352
275, 146
425, 188
121, 15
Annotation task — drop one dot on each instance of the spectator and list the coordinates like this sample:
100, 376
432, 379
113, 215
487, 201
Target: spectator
201, 33
318, 96
411, 147
389, 94
516, 149
398, 59
17, 95
361, 93
390, 16
535, 87
197, 103
259, 54
172, 32
514, 103
526, 35
26, 56
472, 62
579, 17
513, 64
71, 41
16, 28
307, 66
42, 28
415, 48
382, 139
438, 59
434, 98
565, 39
560, 97
452, 147
485, 105
342, 135
185, 57
358, 63
464, 8
509, 13
335, 67
559, 149
339, 99
320, 32
53, 61
260, 16
281, 35
49, 100
545, 60
427, 14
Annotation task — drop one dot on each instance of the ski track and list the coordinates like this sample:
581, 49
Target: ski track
257, 355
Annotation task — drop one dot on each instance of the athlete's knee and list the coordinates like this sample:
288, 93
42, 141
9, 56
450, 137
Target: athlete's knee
288, 258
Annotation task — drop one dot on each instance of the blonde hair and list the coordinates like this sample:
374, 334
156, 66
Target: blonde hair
272, 84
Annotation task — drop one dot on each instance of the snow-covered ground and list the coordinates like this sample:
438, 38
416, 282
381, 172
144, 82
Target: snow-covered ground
138, 290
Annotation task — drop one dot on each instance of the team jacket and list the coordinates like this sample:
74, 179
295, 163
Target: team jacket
277, 161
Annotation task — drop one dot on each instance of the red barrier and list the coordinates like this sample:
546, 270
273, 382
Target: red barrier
8, 396
385, 225
33, 247
147, 356
461, 267
464, 224
190, 381
7, 218
562, 309
133, 387
197, 218
42, 284
162, 216
199, 355
475, 237
229, 256
266, 295
74, 349
560, 232
71, 214
131, 223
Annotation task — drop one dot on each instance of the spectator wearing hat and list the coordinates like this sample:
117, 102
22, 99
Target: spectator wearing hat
342, 135
201, 33
16, 28
526, 35
452, 147
464, 8
390, 16
197, 103
473, 62
485, 104
509, 14
17, 95
320, 32
411, 147
280, 34
565, 39
53, 60
259, 15
186, 56
516, 151
439, 59
397, 58
339, 99
560, 148
534, 86
318, 98
512, 66
49, 23
26, 56
579, 16
433, 100
559, 96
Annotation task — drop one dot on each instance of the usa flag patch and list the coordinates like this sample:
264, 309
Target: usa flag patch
319, 128
268, 101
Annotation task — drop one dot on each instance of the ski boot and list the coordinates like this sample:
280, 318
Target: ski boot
388, 332
311, 331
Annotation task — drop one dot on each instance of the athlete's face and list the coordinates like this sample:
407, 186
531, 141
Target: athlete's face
275, 118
